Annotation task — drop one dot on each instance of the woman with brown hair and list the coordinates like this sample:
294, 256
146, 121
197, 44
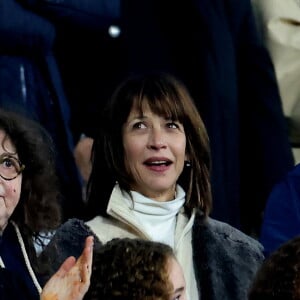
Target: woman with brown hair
151, 180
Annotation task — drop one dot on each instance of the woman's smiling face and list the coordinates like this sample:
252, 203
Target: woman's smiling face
155, 151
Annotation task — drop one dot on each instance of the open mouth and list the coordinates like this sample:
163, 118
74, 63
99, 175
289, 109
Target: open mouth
158, 163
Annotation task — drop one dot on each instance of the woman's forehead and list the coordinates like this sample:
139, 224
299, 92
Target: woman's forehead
159, 106
6, 142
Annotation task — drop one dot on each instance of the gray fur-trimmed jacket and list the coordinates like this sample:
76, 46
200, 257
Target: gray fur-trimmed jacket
225, 259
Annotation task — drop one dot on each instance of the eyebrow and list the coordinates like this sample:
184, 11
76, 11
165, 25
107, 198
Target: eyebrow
10, 154
181, 289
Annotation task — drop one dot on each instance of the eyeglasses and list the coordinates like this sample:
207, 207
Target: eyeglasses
10, 167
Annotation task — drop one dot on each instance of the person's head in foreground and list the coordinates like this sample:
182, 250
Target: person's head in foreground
134, 269
279, 276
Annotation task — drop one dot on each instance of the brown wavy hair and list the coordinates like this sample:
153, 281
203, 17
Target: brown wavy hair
131, 269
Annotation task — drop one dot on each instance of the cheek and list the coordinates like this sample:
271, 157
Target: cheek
181, 150
12, 196
131, 146
128, 158
13, 192
132, 151
14, 189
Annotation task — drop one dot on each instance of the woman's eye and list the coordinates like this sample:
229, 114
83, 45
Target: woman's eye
172, 125
8, 163
139, 125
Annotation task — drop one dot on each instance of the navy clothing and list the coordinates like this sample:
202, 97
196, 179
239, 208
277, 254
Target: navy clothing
15, 280
30, 84
12, 287
88, 57
91, 62
214, 48
282, 214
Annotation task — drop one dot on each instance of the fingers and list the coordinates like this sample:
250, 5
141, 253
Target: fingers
72, 279
66, 266
88, 249
86, 259
89, 242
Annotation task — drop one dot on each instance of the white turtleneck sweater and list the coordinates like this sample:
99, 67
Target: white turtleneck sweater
158, 218
153, 220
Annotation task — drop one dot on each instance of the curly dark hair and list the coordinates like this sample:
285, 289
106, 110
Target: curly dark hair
279, 276
131, 269
39, 207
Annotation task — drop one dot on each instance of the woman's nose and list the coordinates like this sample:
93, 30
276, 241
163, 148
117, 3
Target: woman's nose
157, 139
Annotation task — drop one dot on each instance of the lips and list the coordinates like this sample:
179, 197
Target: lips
157, 163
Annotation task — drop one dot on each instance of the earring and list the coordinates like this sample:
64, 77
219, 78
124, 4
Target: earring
187, 163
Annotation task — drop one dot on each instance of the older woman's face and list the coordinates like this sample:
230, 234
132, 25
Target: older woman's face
155, 151
10, 190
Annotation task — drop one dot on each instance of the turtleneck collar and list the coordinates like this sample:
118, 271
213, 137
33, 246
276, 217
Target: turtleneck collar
146, 205
157, 218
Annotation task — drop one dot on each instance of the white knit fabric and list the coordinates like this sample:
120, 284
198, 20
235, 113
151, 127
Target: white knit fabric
157, 218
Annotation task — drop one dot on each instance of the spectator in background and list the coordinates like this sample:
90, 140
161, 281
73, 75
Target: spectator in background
30, 84
279, 24
29, 204
89, 54
281, 220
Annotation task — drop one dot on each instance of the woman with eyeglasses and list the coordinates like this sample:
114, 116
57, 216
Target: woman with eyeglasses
29, 203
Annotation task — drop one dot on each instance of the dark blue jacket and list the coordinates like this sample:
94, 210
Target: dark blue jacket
16, 282
282, 214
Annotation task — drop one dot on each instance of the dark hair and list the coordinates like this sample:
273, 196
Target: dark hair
131, 269
166, 96
38, 209
279, 276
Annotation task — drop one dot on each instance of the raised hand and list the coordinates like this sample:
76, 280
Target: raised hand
72, 279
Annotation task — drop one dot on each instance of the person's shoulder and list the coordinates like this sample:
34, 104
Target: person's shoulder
291, 179
106, 228
295, 172
73, 228
69, 239
236, 255
226, 231
224, 234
